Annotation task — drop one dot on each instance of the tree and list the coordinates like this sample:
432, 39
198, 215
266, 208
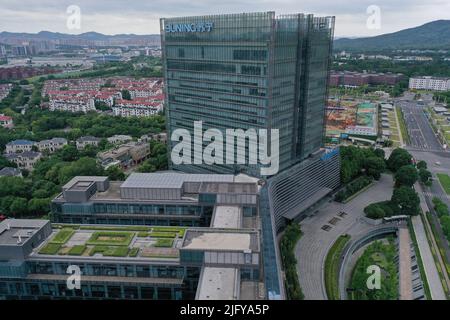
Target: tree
6, 163
126, 95
379, 153
388, 143
69, 153
19, 207
374, 167
425, 176
406, 176
421, 165
115, 174
39, 206
407, 200
398, 158
374, 211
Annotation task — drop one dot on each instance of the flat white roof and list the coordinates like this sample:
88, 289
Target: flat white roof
218, 284
171, 179
233, 241
227, 217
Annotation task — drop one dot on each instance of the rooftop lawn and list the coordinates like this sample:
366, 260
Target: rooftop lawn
50, 248
63, 236
111, 238
165, 243
77, 250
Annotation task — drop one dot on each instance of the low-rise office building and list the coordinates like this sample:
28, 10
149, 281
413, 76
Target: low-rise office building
220, 258
429, 83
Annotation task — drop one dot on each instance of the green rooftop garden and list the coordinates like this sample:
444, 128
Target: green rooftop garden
63, 236
50, 248
165, 243
77, 250
111, 238
114, 241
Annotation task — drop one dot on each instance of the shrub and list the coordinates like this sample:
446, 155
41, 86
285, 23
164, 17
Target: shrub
50, 248
374, 211
352, 188
163, 234
77, 250
63, 236
133, 252
142, 234
290, 237
165, 243
112, 238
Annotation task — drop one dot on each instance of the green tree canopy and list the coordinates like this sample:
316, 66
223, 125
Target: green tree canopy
398, 158
406, 176
407, 200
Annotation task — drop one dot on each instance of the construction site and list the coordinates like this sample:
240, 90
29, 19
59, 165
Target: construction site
351, 118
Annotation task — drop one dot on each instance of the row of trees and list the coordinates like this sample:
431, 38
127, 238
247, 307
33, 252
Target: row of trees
290, 237
444, 216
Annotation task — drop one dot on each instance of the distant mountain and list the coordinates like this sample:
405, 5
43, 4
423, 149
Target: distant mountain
432, 35
11, 37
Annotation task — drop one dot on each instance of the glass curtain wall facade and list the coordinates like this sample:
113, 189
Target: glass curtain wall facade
249, 71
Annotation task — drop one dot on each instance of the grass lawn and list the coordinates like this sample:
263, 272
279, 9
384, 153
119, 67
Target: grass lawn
179, 230
111, 238
133, 252
383, 256
332, 267
110, 251
403, 130
50, 248
163, 235
165, 243
444, 179
62, 236
77, 250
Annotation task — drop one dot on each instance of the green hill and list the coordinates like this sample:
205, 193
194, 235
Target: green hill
432, 35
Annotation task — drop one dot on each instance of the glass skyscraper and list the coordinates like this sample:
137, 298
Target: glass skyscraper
249, 71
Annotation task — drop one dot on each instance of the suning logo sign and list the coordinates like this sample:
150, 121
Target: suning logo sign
190, 27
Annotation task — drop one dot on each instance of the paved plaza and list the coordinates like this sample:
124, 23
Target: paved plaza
312, 248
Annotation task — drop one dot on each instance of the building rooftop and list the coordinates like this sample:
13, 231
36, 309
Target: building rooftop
227, 217
80, 180
13, 229
88, 138
20, 142
227, 240
218, 284
146, 243
171, 179
9, 172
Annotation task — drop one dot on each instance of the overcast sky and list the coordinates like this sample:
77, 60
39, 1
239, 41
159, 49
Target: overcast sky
142, 16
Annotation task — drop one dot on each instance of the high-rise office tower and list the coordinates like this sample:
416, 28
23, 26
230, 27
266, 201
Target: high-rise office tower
251, 70
256, 71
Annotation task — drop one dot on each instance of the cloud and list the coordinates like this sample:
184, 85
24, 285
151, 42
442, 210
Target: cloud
142, 16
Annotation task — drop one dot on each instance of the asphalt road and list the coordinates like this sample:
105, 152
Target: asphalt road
421, 134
